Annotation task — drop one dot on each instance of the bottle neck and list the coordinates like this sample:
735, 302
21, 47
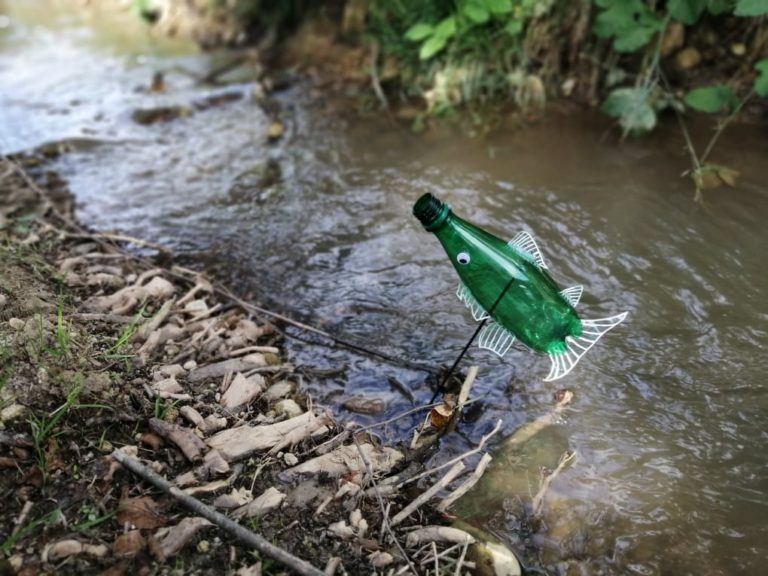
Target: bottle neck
432, 212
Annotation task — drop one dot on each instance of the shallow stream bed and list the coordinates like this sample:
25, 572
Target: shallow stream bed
671, 411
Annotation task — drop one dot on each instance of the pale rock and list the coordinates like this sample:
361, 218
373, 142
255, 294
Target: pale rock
288, 408
278, 390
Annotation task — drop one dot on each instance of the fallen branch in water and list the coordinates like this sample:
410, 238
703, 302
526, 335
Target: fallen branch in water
538, 500
240, 532
458, 458
120, 238
427, 495
465, 487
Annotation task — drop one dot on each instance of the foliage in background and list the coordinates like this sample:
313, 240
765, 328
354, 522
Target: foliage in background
467, 50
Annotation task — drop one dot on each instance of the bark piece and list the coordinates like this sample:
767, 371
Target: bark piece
242, 391
209, 488
168, 386
213, 423
64, 548
189, 444
237, 498
271, 499
347, 460
438, 534
192, 415
176, 537
218, 369
240, 442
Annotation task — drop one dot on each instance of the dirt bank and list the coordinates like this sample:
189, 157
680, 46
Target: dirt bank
108, 354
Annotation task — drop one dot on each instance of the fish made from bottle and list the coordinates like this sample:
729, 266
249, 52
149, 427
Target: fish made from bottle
506, 284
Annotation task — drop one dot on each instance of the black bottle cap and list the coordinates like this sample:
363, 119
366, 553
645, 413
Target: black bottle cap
431, 211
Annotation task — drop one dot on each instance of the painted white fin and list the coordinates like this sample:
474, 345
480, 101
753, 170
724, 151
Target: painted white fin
573, 294
496, 338
577, 347
478, 312
525, 244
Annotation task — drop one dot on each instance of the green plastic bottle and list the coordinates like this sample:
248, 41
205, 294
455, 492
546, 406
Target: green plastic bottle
506, 285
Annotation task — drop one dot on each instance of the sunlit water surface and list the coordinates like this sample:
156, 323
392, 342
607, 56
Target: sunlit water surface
670, 415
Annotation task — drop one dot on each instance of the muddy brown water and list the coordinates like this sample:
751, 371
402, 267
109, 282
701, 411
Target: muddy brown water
669, 422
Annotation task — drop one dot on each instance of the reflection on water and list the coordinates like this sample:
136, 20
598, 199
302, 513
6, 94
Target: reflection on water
669, 420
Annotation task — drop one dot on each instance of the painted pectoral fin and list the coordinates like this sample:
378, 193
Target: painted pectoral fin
592, 331
572, 294
496, 338
478, 312
526, 245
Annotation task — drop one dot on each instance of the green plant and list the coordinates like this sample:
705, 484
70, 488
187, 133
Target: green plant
631, 25
49, 519
115, 352
461, 52
163, 407
43, 427
91, 518
63, 338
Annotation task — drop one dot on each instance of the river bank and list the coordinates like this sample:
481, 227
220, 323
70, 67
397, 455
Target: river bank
104, 350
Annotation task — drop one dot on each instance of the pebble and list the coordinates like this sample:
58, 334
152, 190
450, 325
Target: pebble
189, 365
288, 408
276, 130
16, 323
687, 58
290, 459
278, 390
363, 405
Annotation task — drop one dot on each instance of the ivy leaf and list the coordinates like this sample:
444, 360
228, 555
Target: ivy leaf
476, 11
432, 46
686, 11
761, 82
751, 8
719, 6
633, 39
419, 31
514, 27
446, 28
630, 23
499, 6
712, 99
617, 17
631, 107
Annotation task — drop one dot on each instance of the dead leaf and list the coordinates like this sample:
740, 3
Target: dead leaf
128, 544
141, 512
441, 415
152, 440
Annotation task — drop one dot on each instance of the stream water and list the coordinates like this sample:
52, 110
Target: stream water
671, 411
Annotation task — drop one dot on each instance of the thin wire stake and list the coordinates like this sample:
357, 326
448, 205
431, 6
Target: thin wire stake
441, 387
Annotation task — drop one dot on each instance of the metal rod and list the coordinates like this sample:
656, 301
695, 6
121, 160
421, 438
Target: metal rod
441, 386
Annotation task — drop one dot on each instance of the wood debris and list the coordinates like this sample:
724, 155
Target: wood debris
168, 541
271, 499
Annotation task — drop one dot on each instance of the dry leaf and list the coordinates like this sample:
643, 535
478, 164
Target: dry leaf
128, 544
141, 512
441, 415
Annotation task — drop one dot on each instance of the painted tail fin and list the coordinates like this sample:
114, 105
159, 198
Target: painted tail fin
577, 347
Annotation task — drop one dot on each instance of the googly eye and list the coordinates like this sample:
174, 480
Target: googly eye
463, 258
